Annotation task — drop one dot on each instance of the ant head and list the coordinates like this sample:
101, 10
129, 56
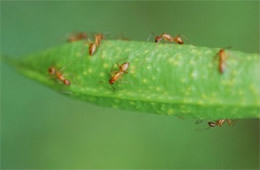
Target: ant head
100, 36
222, 50
51, 70
158, 38
212, 124
66, 82
111, 81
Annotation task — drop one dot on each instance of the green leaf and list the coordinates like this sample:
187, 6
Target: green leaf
171, 79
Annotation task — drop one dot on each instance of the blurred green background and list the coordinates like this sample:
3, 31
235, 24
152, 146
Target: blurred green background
43, 129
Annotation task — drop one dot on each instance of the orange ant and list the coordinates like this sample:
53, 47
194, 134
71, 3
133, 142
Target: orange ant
168, 37
221, 122
53, 71
221, 60
93, 46
217, 123
118, 74
77, 37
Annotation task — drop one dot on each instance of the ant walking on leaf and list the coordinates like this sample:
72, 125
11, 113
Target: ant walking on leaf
222, 58
218, 123
94, 45
58, 75
116, 75
167, 37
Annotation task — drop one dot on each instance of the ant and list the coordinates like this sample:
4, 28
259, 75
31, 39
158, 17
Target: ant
93, 46
53, 71
118, 74
221, 122
222, 57
77, 37
168, 37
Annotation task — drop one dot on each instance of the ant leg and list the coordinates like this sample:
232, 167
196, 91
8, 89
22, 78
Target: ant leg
66, 92
101, 82
62, 69
202, 129
113, 87
215, 56
121, 81
220, 125
107, 33
112, 71
182, 35
199, 121
181, 117
121, 60
87, 42
118, 65
71, 77
185, 37
215, 62
152, 33
59, 81
122, 37
231, 122
51, 76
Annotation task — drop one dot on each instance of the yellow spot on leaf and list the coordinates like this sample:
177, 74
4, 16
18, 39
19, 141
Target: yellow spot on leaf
194, 74
200, 102
210, 65
78, 54
183, 80
132, 103
170, 60
105, 65
101, 74
170, 111
146, 51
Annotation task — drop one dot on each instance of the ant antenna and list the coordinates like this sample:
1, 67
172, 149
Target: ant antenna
202, 129
152, 33
185, 37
